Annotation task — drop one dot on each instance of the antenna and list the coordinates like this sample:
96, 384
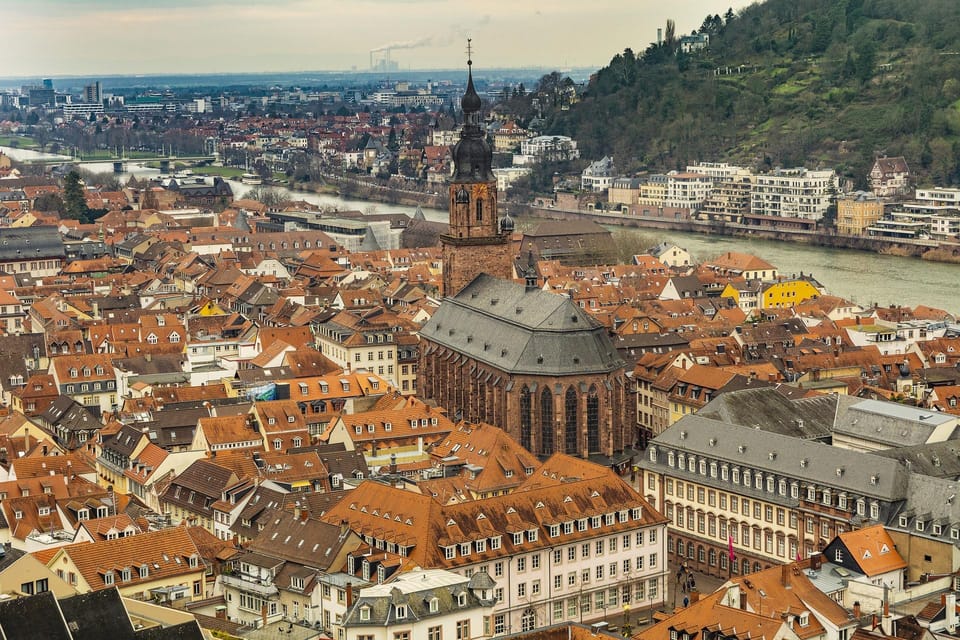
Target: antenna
469, 51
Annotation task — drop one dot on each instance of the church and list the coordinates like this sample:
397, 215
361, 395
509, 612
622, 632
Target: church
508, 353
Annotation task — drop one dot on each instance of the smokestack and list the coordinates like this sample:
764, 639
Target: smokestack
950, 604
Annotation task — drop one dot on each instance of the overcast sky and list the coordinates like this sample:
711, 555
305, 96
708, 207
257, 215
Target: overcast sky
90, 37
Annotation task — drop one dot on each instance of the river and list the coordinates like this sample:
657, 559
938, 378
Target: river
863, 277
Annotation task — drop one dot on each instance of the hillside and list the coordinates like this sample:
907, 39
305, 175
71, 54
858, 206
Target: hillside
826, 83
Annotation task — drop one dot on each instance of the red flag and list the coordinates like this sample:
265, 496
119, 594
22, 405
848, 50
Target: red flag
730, 553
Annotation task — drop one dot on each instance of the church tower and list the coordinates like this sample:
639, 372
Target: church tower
478, 242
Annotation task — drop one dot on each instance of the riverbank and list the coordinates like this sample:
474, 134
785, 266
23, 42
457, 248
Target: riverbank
930, 250
355, 189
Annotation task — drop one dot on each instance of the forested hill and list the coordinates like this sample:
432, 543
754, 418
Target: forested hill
820, 83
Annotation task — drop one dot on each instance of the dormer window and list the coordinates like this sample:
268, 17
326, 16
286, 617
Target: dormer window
365, 613
434, 605
401, 611
144, 571
108, 577
531, 535
44, 510
462, 599
518, 538
291, 419
73, 373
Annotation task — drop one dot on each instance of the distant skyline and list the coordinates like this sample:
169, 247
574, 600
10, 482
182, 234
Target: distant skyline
47, 38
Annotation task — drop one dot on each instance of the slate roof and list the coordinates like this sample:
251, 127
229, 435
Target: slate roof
34, 617
521, 330
808, 418
35, 243
311, 543
889, 423
415, 589
934, 459
801, 459
97, 615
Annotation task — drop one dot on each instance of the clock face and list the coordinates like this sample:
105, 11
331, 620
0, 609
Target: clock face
479, 191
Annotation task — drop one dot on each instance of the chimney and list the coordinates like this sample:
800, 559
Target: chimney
886, 608
856, 609
263, 615
296, 510
743, 600
349, 595
950, 602
694, 596
344, 527
815, 560
785, 575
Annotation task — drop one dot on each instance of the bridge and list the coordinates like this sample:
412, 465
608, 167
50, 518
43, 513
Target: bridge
119, 164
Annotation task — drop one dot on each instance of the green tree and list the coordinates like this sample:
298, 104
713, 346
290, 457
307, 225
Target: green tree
866, 62
74, 200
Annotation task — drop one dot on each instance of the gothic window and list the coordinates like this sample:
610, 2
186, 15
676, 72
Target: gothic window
546, 422
462, 197
593, 421
525, 419
479, 210
571, 426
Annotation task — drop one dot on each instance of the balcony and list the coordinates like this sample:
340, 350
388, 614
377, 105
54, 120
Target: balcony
256, 587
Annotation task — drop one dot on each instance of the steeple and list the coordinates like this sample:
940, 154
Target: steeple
477, 241
470, 103
472, 156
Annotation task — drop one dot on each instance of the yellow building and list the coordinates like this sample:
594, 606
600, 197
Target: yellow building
746, 293
160, 565
787, 293
857, 212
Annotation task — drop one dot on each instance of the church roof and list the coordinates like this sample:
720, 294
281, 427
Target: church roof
521, 330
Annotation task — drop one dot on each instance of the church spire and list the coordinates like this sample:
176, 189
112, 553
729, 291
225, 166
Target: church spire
472, 156
470, 103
